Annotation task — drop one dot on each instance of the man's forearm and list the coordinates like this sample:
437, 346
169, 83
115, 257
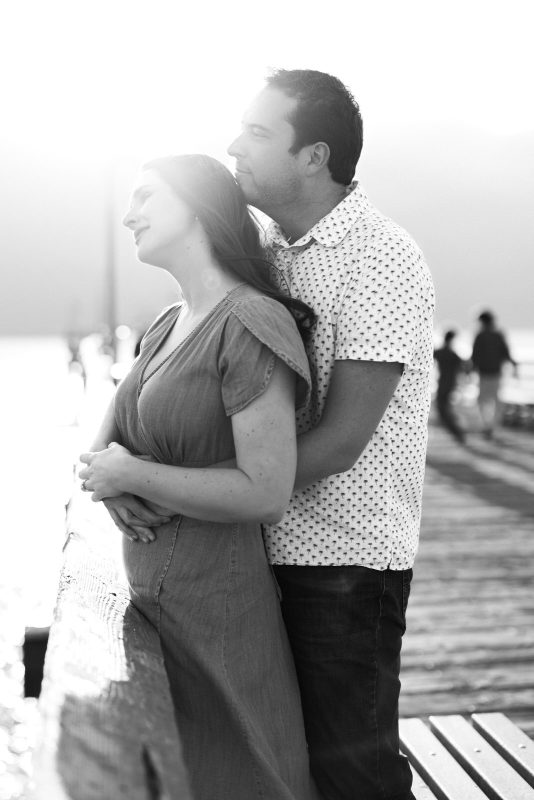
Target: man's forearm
357, 399
319, 455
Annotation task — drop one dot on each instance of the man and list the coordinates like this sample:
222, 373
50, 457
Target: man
490, 353
343, 552
450, 365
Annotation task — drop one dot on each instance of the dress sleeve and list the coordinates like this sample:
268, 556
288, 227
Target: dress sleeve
257, 332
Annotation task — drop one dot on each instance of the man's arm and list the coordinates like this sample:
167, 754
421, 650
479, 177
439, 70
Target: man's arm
358, 396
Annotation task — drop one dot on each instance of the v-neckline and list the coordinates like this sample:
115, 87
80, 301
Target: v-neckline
143, 378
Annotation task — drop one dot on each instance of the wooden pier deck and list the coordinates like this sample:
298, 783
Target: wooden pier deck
469, 644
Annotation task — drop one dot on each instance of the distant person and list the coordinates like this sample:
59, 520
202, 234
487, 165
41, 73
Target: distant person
490, 353
217, 380
450, 365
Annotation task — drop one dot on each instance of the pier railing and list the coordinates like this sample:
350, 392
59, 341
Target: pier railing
107, 727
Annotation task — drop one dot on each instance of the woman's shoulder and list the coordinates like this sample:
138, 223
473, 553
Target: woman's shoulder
271, 324
259, 310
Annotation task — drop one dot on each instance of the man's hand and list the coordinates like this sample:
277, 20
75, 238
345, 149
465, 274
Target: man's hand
135, 518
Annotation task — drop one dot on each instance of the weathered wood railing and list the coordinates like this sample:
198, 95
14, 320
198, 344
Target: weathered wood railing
107, 729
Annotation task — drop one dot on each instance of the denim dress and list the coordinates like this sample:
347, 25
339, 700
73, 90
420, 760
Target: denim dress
207, 586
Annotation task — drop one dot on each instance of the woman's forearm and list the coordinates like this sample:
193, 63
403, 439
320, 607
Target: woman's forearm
108, 430
221, 495
257, 488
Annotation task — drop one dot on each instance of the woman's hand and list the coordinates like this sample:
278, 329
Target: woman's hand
104, 470
134, 518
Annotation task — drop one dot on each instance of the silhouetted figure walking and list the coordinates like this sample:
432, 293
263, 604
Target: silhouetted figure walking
490, 352
450, 365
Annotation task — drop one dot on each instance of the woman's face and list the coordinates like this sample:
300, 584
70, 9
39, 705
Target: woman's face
159, 219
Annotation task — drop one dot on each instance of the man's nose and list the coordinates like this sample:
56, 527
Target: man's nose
235, 149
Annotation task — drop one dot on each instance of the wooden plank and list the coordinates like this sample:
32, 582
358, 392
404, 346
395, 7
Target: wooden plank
488, 769
107, 723
418, 659
514, 745
420, 789
483, 679
467, 701
438, 768
471, 608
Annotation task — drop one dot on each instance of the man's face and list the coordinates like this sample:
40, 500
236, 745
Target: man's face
270, 176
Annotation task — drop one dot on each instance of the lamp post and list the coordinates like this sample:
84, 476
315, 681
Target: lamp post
110, 282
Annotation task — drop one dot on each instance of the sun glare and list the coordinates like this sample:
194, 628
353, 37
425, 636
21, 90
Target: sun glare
124, 78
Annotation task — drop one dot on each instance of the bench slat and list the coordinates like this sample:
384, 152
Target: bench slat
438, 768
509, 740
420, 789
487, 768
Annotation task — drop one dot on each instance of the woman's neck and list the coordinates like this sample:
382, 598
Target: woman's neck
202, 280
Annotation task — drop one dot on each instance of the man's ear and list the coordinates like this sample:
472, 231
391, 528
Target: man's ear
318, 156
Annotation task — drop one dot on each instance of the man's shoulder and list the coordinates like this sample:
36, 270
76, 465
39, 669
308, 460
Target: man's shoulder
384, 233
375, 230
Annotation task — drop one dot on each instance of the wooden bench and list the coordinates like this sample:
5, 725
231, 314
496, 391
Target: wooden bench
107, 728
456, 759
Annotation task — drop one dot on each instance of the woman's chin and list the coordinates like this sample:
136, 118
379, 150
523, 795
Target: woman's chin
151, 257
146, 257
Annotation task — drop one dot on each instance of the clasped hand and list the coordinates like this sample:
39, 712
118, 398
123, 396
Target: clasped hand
102, 475
135, 518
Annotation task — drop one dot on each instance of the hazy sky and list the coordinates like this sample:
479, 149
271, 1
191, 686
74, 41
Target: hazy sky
445, 92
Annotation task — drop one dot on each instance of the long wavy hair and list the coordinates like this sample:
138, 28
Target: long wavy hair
210, 190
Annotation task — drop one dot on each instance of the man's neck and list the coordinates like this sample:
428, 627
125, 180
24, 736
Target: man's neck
298, 218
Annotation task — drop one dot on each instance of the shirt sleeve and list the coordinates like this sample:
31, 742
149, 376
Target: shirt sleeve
381, 309
257, 332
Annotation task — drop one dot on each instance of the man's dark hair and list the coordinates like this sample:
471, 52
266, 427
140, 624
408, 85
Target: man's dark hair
326, 112
449, 336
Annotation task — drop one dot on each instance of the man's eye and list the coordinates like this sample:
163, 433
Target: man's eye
257, 131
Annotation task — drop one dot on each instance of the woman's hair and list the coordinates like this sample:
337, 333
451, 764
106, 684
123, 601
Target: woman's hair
212, 193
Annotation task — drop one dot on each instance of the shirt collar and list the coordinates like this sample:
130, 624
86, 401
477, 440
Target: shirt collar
332, 228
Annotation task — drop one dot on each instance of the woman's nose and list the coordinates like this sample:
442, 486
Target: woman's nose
129, 218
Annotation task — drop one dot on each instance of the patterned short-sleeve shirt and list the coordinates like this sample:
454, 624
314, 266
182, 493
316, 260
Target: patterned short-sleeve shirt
368, 283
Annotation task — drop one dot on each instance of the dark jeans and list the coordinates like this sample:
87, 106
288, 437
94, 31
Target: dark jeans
345, 625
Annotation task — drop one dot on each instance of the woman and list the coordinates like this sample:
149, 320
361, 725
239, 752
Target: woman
216, 381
